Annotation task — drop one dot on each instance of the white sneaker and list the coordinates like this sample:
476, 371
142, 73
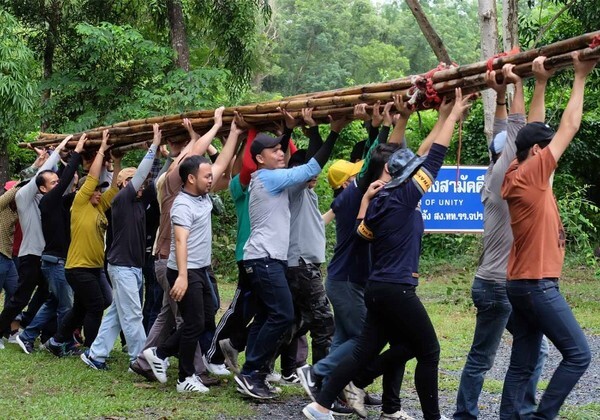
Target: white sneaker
274, 377
400, 414
1, 343
12, 339
158, 365
191, 384
219, 370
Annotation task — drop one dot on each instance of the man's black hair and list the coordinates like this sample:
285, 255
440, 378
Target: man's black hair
522, 154
40, 178
358, 151
379, 158
190, 166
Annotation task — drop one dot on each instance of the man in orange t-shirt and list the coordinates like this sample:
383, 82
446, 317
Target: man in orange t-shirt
536, 260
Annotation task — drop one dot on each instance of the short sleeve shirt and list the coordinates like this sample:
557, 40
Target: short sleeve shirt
538, 249
193, 214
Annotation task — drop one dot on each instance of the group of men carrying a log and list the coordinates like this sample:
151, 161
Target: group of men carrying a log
88, 246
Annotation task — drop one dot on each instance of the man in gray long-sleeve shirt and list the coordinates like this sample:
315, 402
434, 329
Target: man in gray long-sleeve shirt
489, 286
30, 272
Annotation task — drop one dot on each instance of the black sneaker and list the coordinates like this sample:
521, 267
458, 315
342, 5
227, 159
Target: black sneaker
372, 400
291, 379
136, 368
339, 408
26, 346
254, 385
57, 349
310, 382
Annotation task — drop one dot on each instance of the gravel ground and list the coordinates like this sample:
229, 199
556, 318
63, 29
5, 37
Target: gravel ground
586, 391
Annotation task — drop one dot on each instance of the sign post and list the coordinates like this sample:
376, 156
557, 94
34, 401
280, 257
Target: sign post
453, 203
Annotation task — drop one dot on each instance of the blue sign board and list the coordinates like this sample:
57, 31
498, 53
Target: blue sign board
453, 203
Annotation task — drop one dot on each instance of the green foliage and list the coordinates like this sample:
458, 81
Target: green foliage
123, 76
18, 71
576, 211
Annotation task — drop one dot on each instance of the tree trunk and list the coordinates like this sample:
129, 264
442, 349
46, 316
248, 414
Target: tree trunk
434, 40
177, 33
510, 32
4, 162
489, 46
48, 68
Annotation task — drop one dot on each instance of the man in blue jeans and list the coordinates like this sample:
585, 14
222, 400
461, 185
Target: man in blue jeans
536, 260
489, 287
54, 209
266, 251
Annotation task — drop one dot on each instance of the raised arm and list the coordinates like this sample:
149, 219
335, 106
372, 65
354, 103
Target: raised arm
401, 119
571, 118
537, 109
28, 192
201, 145
444, 112
146, 164
314, 137
222, 162
97, 163
461, 104
69, 171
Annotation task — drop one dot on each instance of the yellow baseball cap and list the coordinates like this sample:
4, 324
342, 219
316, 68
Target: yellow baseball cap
341, 170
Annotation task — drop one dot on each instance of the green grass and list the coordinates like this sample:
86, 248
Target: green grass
40, 386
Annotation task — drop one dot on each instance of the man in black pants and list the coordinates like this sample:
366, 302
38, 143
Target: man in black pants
55, 212
32, 246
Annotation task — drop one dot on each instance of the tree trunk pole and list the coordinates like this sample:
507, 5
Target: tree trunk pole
489, 47
510, 34
434, 40
177, 33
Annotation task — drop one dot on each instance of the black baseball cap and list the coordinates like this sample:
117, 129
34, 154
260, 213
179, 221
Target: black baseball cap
263, 141
532, 134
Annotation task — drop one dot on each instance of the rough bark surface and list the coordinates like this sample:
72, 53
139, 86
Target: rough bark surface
510, 33
177, 33
434, 40
488, 25
4, 165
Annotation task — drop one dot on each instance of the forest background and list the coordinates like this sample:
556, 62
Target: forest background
71, 65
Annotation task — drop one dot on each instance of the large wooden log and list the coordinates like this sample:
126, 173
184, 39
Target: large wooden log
338, 101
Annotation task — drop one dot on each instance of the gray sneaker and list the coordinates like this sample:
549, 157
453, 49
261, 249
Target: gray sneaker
231, 355
355, 398
310, 412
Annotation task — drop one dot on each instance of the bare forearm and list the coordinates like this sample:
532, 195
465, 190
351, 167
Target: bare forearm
518, 104
537, 110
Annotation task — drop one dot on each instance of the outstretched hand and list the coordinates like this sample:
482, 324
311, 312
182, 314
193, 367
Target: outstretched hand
339, 123
402, 107
539, 71
81, 143
290, 121
461, 104
308, 118
492, 82
377, 118
583, 68
360, 112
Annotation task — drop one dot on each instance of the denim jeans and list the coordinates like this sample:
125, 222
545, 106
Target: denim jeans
8, 277
493, 312
153, 294
349, 313
274, 312
124, 313
58, 303
540, 309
